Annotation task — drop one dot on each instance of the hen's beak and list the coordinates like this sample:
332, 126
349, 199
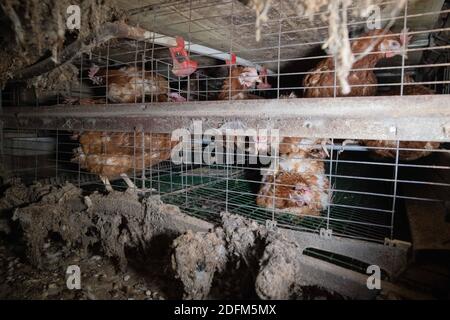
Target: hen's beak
324, 147
404, 54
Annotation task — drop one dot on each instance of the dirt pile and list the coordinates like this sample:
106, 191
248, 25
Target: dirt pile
114, 222
236, 258
61, 211
279, 271
200, 257
17, 195
123, 220
196, 258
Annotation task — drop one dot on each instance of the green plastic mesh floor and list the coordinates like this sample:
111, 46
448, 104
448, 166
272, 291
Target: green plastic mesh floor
355, 212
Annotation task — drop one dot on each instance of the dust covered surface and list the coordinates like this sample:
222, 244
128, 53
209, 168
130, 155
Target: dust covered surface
36, 29
240, 254
133, 246
121, 242
113, 222
197, 257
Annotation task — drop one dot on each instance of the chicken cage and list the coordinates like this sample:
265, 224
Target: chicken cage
255, 108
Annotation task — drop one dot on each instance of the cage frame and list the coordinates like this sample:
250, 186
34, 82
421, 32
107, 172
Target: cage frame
348, 118
340, 118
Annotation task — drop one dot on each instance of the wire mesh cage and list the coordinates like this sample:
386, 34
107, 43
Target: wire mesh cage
341, 175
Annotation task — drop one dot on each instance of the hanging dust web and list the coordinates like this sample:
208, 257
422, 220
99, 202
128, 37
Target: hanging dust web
336, 14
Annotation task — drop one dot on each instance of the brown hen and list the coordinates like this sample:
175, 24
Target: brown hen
129, 84
294, 192
113, 155
236, 86
320, 82
297, 184
424, 148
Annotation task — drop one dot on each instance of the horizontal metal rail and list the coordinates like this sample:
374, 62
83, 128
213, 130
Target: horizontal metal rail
411, 118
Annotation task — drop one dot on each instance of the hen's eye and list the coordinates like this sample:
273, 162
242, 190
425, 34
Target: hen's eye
395, 45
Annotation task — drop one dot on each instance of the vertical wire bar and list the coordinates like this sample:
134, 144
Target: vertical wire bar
334, 76
154, 67
198, 87
405, 24
394, 196
445, 86
277, 163
447, 76
330, 183
225, 153
435, 86
280, 28
227, 165
188, 94
144, 73
404, 45
182, 168
230, 66
168, 81
136, 83
189, 51
104, 150
143, 101
159, 169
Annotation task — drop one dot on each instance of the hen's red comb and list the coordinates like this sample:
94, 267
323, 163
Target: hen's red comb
233, 60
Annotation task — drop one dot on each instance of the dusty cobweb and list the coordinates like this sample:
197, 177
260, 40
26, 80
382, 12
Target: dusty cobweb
336, 14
